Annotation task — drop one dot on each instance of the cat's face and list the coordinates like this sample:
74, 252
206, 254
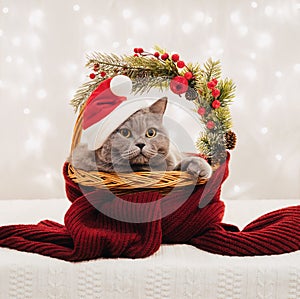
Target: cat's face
141, 143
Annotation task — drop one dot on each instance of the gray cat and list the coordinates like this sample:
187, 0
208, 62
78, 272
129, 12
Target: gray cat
141, 143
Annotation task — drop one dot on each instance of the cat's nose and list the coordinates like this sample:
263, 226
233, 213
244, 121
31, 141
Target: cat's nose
140, 145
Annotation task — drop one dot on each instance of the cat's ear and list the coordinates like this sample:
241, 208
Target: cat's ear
159, 106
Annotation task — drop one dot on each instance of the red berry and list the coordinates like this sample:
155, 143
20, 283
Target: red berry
136, 55
215, 81
179, 85
140, 50
210, 125
201, 111
180, 64
96, 67
135, 50
164, 56
216, 104
102, 74
215, 92
175, 57
92, 76
156, 54
188, 75
211, 84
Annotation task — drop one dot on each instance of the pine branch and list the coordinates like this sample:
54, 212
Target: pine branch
227, 91
143, 66
224, 118
105, 61
144, 85
203, 145
212, 145
212, 69
83, 92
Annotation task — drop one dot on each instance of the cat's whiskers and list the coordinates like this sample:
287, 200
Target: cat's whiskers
149, 153
131, 153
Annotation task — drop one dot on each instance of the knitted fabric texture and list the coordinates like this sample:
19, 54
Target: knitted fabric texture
89, 234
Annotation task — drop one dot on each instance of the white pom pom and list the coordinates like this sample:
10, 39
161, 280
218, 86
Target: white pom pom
121, 85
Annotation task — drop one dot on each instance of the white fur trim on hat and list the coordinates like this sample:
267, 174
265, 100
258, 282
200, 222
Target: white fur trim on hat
97, 134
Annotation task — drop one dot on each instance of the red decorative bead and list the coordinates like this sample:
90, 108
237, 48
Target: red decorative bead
215, 92
188, 75
164, 56
156, 54
179, 85
216, 104
180, 64
175, 57
140, 50
96, 67
102, 74
201, 111
136, 50
92, 76
136, 55
211, 84
210, 125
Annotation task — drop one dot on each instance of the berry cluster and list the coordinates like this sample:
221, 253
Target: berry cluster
215, 92
96, 70
212, 86
179, 84
175, 57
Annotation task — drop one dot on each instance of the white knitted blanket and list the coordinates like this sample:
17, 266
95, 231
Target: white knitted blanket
175, 271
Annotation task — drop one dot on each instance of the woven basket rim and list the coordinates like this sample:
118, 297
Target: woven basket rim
133, 180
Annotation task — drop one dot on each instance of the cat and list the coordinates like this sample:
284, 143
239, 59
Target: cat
141, 143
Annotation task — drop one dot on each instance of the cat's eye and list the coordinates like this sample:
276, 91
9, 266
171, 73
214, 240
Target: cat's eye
151, 133
125, 132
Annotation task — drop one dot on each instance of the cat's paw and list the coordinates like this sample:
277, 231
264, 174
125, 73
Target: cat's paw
196, 166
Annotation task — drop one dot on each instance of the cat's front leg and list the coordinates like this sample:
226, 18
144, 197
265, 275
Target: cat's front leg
196, 166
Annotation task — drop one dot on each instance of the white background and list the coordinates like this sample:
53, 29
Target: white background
42, 56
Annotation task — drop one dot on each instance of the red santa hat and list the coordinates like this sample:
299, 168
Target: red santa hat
106, 109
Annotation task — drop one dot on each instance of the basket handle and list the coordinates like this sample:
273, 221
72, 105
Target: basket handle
77, 129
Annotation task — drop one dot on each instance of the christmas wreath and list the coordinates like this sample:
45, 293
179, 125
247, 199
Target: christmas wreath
211, 94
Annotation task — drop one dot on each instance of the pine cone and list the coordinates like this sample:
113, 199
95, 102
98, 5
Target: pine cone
191, 94
230, 138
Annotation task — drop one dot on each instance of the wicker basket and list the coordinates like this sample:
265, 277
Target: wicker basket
127, 182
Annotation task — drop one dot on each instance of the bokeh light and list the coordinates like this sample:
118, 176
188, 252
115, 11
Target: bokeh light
42, 58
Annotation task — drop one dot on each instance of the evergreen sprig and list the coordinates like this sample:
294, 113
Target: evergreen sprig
212, 69
107, 62
83, 92
145, 84
227, 90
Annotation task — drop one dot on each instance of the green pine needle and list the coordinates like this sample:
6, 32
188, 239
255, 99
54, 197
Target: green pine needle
212, 69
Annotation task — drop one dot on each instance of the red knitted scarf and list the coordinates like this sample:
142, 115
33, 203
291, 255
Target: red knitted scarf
89, 233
